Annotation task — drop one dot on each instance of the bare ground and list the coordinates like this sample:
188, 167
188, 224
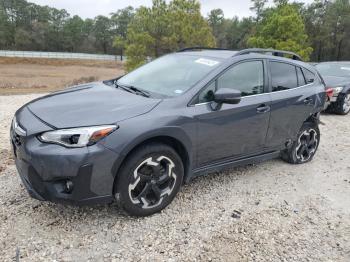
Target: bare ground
288, 213
24, 75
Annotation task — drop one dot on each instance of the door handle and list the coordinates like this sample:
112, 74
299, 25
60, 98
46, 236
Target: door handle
308, 101
263, 109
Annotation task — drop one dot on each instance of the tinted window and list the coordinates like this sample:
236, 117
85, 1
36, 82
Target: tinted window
309, 76
207, 94
247, 77
283, 75
301, 79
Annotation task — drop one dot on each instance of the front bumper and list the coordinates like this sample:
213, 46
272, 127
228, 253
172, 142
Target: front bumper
45, 169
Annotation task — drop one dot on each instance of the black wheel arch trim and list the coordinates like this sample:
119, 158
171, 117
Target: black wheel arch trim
167, 135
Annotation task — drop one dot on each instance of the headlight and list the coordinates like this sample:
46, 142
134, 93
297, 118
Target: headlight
77, 137
338, 89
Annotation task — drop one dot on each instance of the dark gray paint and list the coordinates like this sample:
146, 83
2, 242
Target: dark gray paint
255, 129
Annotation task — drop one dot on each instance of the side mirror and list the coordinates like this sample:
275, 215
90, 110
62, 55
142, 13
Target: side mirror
227, 96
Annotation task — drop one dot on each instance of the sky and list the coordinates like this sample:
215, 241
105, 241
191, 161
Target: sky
92, 8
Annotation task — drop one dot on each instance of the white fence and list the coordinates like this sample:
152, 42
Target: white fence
58, 55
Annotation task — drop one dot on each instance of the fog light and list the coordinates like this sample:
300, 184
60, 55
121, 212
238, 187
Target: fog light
69, 187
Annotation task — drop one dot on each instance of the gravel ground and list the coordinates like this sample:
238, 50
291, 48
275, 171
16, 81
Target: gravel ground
285, 213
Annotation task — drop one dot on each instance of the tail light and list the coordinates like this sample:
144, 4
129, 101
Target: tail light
329, 92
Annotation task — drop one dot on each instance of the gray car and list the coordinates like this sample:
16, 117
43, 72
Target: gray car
337, 78
138, 138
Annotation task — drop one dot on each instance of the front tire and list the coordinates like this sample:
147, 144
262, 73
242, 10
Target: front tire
149, 179
304, 148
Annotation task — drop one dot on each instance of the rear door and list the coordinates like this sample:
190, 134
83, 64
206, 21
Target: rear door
292, 101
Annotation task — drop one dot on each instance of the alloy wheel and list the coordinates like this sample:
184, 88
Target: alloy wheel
307, 145
346, 104
154, 179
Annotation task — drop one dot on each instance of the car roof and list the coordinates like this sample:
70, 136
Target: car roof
227, 54
220, 54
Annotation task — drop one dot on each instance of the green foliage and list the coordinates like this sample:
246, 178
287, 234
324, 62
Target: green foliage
283, 28
164, 28
328, 26
27, 26
258, 7
121, 20
219, 26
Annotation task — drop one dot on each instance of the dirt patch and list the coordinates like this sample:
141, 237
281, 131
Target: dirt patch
23, 75
6, 159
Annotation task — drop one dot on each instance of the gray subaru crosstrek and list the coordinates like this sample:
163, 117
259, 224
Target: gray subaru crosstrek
136, 139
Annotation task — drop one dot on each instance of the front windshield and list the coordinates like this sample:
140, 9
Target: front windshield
170, 75
334, 69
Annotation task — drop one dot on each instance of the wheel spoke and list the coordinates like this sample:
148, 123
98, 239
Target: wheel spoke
157, 170
154, 179
145, 191
157, 192
308, 138
163, 179
144, 178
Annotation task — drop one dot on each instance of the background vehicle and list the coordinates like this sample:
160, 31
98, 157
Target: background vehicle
337, 77
139, 137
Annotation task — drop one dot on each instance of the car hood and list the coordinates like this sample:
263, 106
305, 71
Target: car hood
335, 81
89, 105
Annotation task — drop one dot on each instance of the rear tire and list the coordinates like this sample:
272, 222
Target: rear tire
304, 148
342, 106
149, 179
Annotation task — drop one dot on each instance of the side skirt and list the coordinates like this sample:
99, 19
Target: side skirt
233, 163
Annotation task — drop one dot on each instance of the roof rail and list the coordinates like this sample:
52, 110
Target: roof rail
272, 51
194, 48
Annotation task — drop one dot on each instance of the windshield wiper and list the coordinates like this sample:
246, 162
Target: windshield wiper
132, 89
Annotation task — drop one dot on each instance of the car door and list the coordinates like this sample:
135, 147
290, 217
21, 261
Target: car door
233, 131
293, 99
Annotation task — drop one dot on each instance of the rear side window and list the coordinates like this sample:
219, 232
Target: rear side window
309, 76
301, 79
283, 76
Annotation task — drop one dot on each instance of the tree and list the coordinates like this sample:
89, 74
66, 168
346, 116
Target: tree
283, 28
73, 33
258, 7
103, 33
218, 24
121, 20
164, 28
238, 32
327, 24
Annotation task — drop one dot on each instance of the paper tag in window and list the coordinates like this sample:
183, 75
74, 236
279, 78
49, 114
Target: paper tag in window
206, 62
345, 68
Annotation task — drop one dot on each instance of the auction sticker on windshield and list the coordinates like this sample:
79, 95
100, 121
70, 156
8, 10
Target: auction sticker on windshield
205, 61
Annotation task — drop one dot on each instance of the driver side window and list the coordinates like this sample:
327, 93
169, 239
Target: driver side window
247, 77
